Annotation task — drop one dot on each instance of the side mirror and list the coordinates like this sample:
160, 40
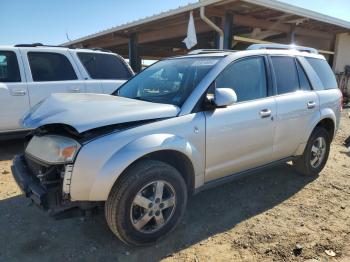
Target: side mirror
224, 97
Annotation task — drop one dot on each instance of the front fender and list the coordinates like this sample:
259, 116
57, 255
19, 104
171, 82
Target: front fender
133, 151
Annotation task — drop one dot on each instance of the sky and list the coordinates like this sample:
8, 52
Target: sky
55, 21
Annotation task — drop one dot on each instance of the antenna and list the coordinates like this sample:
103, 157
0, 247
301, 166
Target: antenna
68, 36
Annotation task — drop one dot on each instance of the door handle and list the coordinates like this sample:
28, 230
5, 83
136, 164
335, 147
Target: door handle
311, 104
18, 92
265, 113
75, 89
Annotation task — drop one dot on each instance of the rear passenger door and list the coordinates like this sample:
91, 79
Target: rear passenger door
50, 72
297, 105
240, 136
14, 101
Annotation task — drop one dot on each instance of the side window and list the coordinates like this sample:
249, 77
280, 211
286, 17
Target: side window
247, 77
285, 73
304, 81
104, 66
9, 70
324, 72
50, 67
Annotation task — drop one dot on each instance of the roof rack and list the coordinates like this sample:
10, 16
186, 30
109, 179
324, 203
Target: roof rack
100, 49
29, 45
283, 47
209, 51
42, 45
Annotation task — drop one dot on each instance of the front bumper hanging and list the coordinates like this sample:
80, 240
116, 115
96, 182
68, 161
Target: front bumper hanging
27, 183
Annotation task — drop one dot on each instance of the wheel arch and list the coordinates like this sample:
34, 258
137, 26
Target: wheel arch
327, 121
169, 148
180, 161
328, 124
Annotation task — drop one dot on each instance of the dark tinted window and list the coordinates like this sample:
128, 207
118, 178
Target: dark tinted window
246, 77
9, 70
324, 72
286, 74
104, 66
304, 81
50, 67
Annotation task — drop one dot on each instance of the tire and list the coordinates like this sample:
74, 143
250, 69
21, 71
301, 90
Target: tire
303, 164
124, 216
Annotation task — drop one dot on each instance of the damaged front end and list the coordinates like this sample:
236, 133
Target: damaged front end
44, 173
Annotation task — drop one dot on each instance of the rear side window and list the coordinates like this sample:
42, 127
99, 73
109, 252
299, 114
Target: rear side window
104, 66
9, 70
324, 72
50, 67
286, 74
246, 77
303, 80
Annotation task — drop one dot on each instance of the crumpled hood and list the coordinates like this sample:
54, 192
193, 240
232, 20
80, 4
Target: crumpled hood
88, 111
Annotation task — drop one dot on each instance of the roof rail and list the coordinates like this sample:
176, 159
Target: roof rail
37, 45
282, 47
29, 45
100, 49
209, 51
42, 45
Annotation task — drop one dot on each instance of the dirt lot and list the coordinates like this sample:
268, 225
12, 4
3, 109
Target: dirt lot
259, 218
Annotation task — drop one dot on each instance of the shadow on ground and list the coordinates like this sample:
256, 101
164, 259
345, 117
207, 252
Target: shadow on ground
35, 236
9, 148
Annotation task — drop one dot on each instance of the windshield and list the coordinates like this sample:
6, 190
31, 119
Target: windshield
168, 81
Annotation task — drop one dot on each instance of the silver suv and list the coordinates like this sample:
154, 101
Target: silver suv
181, 125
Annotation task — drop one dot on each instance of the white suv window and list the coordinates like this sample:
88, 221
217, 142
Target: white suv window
247, 77
104, 66
9, 70
50, 67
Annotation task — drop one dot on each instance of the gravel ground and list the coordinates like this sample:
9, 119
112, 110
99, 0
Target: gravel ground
274, 215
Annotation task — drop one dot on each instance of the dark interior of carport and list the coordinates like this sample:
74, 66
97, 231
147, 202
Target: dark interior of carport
242, 24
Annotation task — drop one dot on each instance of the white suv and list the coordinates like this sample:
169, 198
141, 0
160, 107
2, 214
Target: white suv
180, 126
30, 73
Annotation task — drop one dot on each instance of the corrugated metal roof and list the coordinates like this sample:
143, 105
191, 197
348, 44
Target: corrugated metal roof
273, 4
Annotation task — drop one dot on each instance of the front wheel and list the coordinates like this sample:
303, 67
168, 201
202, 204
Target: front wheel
315, 154
147, 203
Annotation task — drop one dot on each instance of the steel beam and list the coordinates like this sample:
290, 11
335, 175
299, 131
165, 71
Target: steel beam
228, 30
134, 58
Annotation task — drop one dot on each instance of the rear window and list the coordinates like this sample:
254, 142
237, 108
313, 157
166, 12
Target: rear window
50, 67
104, 66
324, 72
9, 70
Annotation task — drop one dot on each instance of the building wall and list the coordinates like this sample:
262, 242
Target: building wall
342, 52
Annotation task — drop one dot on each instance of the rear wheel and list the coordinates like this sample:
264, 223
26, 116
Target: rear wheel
147, 203
315, 154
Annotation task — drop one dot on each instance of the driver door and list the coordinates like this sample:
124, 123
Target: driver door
240, 137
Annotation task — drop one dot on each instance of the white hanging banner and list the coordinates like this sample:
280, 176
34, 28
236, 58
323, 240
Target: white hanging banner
191, 39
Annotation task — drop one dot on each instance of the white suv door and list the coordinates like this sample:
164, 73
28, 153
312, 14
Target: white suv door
50, 71
14, 101
240, 136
